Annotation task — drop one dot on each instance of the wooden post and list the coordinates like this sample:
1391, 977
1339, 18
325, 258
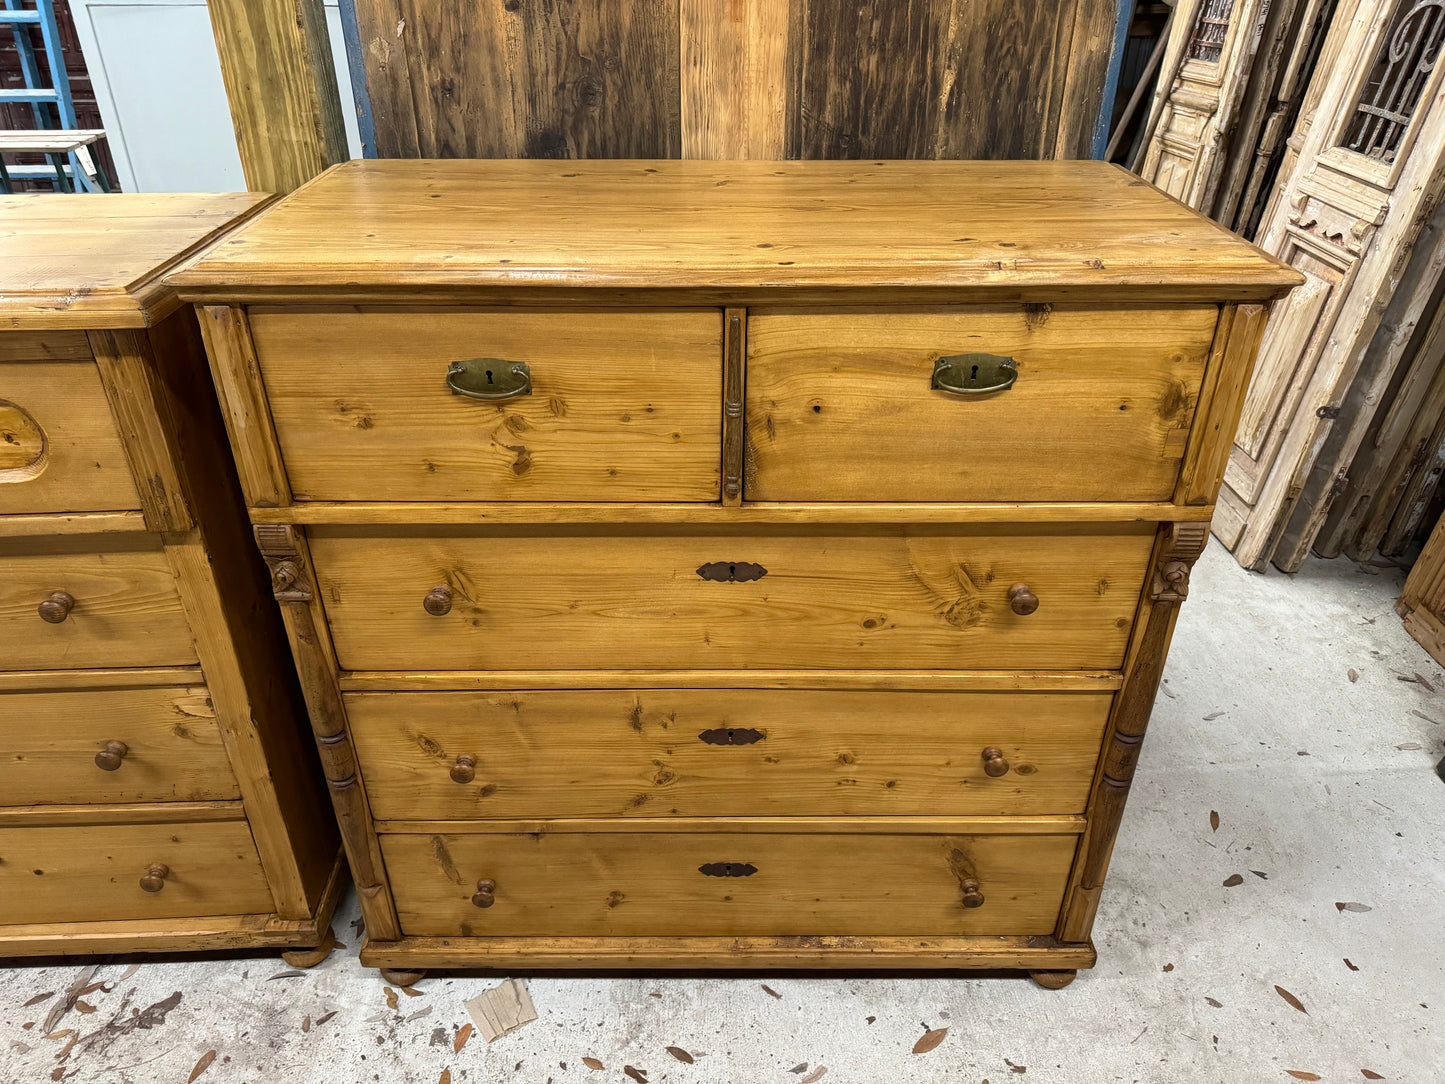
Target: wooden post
276, 62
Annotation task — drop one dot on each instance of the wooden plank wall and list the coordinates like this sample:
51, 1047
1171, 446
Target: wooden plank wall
735, 78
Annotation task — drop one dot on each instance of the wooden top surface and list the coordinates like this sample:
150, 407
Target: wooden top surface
95, 261
985, 227
48, 140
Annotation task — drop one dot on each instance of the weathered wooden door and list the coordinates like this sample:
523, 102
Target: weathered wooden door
1369, 173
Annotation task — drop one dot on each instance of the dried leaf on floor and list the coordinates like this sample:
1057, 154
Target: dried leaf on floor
1233, 880
801, 1067
322, 1019
770, 991
1214, 820
654, 993
201, 1066
285, 975
1351, 966
1358, 908
870, 1019
1301, 1074
463, 1034
1168, 967
60, 1008
84, 1007
1293, 1001
815, 1076
1213, 715
1216, 1004
502, 1009
680, 1054
1370, 1075
425, 1010
1352, 674
593, 1063
929, 1040
446, 1077
1260, 875
1409, 746
391, 998
306, 1025
1420, 680
639, 1075
1167, 691
411, 991
1422, 715
37, 999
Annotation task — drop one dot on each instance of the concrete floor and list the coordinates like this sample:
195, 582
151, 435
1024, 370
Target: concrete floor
1326, 795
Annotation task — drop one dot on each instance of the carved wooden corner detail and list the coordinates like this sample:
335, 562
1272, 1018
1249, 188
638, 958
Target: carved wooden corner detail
1184, 542
277, 543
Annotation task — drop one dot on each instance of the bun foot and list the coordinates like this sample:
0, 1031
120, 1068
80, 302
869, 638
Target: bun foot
1053, 980
310, 957
402, 978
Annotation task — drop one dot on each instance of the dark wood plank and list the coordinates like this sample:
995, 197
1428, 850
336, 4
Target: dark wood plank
523, 78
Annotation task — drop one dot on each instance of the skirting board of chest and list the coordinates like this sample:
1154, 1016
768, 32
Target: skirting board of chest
762, 565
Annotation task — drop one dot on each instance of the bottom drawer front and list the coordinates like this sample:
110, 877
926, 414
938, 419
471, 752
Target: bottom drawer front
724, 752
112, 745
726, 883
93, 873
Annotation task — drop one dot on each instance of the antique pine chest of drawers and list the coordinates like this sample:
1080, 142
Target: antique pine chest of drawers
158, 785
730, 564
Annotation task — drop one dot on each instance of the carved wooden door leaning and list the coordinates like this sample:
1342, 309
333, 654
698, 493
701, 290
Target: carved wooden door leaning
1369, 172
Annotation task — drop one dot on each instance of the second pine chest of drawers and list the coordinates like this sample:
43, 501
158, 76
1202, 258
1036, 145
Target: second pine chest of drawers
731, 564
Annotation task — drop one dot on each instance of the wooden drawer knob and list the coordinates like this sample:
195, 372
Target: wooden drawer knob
110, 757
486, 894
972, 895
1022, 600
155, 878
994, 764
438, 601
465, 769
57, 607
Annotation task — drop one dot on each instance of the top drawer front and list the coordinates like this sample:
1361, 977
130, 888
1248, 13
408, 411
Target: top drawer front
623, 406
60, 450
840, 406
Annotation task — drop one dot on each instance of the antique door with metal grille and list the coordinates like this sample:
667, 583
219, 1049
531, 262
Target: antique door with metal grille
1369, 173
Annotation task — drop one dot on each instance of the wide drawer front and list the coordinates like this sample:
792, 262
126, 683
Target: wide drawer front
722, 752
738, 881
129, 871
60, 450
62, 606
1097, 407
112, 745
621, 406
1055, 598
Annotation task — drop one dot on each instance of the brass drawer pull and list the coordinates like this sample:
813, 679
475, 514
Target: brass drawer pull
109, 758
155, 878
974, 374
57, 607
489, 378
972, 894
465, 769
732, 571
728, 869
994, 764
731, 735
438, 601
486, 894
1022, 600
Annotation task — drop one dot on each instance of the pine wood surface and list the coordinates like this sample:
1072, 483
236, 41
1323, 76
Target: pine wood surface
62, 451
578, 753
958, 226
542, 954
97, 260
93, 873
173, 747
840, 406
624, 406
650, 883
58, 816
127, 608
906, 598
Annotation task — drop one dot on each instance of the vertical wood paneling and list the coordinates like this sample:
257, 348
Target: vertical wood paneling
724, 79
523, 78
